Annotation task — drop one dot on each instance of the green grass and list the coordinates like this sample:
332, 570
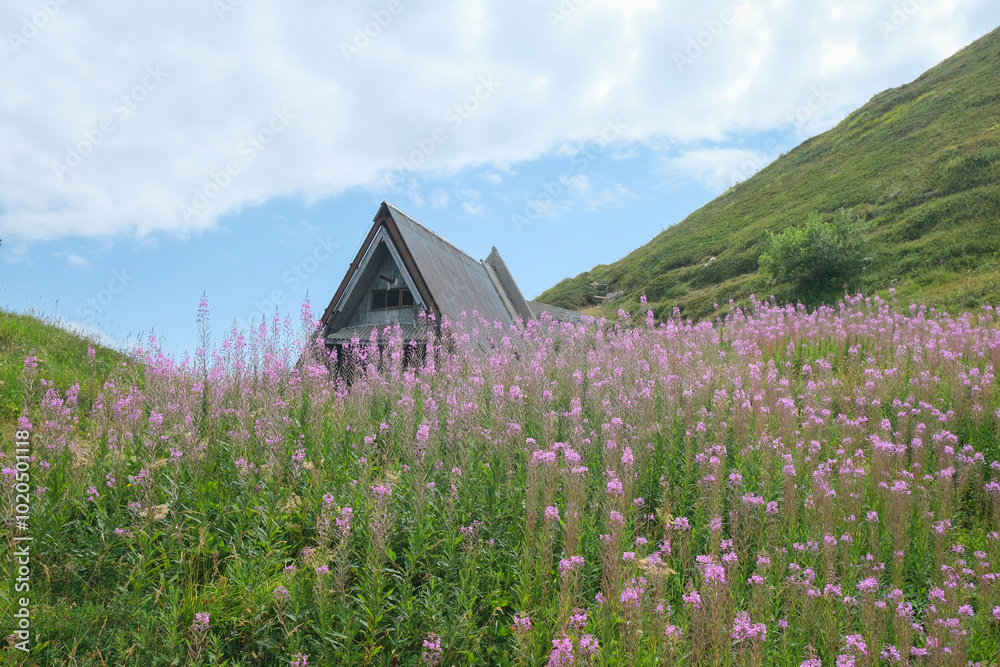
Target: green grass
921, 163
62, 359
177, 504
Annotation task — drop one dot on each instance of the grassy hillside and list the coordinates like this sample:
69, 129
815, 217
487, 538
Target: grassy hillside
921, 163
63, 359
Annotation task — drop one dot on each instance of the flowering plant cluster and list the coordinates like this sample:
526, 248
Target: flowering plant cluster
775, 487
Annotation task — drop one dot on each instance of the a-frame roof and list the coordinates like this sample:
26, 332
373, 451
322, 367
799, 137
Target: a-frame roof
448, 280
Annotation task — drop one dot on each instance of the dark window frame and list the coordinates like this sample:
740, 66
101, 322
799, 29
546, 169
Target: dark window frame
401, 296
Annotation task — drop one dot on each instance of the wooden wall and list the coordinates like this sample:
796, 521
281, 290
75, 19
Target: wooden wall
366, 316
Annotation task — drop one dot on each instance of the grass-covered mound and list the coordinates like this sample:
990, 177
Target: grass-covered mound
63, 358
920, 163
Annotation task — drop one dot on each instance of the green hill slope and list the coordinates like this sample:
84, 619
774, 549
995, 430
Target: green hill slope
62, 358
920, 162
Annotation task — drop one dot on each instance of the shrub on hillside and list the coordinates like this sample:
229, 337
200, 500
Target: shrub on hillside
818, 251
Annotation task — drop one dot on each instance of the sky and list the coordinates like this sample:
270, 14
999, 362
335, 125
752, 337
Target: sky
154, 152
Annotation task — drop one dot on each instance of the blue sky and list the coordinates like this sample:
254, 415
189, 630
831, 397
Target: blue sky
158, 151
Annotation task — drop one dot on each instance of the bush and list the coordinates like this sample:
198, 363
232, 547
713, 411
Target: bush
817, 252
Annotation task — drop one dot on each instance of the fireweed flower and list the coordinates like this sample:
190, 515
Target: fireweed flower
856, 644
868, 585
551, 513
578, 620
300, 660
431, 655
627, 458
522, 623
715, 573
692, 599
936, 595
562, 652
630, 597
201, 622
615, 487
891, 654
540, 457
568, 566
588, 646
746, 630
343, 521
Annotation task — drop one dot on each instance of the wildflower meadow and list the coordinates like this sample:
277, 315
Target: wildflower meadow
775, 487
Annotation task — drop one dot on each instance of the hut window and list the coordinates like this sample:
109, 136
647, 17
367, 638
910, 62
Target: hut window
391, 298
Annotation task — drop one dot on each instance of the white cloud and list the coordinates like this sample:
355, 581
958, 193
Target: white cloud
14, 252
837, 56
472, 209
718, 169
607, 197
167, 100
72, 259
579, 183
90, 332
440, 198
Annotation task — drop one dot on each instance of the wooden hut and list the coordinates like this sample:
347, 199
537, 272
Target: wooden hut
404, 269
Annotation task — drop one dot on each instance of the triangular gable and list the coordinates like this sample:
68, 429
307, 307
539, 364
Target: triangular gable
382, 233
381, 257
